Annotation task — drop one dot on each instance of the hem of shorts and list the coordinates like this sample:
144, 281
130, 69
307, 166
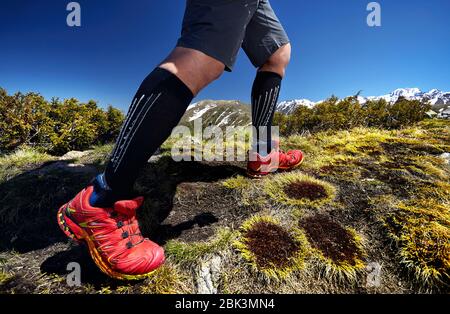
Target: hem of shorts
271, 50
206, 51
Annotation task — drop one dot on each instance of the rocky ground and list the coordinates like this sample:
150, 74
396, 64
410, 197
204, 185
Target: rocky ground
368, 212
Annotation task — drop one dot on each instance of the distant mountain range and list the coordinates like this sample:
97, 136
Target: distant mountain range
218, 112
439, 99
235, 113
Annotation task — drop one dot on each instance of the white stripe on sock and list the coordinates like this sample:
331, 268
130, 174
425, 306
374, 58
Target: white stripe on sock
124, 130
135, 129
254, 107
264, 108
127, 137
258, 111
272, 106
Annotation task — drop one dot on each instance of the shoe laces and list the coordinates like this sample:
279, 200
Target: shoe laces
129, 226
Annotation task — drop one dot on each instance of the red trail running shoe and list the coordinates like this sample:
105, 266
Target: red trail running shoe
260, 166
112, 236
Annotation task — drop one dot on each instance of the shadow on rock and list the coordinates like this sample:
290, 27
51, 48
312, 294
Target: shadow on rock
181, 196
90, 273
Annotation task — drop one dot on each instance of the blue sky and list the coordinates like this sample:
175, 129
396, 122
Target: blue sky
119, 42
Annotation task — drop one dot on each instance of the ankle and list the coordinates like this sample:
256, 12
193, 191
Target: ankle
264, 148
102, 195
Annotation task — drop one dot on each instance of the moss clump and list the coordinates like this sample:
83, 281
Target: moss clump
338, 249
305, 190
4, 277
270, 248
299, 189
237, 183
421, 230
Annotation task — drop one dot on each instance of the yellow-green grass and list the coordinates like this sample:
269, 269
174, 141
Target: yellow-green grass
168, 279
421, 231
4, 277
238, 183
98, 156
299, 189
236, 142
247, 191
181, 252
271, 249
22, 159
336, 152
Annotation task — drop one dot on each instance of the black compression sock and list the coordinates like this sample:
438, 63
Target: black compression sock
157, 107
265, 92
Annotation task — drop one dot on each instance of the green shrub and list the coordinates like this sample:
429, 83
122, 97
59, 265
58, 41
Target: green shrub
55, 126
406, 112
336, 114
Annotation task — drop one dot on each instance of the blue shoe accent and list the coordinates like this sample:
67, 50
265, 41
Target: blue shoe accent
102, 196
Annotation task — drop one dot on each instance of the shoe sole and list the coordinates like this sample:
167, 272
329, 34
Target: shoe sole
95, 255
257, 175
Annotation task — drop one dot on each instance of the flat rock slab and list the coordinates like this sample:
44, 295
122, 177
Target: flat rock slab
75, 154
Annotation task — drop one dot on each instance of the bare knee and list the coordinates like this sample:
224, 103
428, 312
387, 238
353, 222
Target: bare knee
279, 61
193, 67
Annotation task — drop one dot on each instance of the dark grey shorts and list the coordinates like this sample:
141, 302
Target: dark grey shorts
219, 28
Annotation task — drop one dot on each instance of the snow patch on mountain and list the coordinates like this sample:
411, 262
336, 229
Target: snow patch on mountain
200, 112
289, 106
221, 113
436, 98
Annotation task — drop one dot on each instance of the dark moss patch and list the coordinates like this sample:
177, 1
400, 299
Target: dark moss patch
411, 148
303, 189
331, 239
328, 169
395, 175
371, 150
271, 244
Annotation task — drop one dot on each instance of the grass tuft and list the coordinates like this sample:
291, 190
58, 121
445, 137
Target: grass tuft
181, 252
239, 183
166, 280
5, 277
23, 159
299, 189
421, 231
271, 249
